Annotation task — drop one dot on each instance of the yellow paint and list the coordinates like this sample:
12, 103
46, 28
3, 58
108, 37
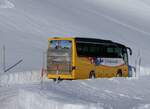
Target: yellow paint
63, 76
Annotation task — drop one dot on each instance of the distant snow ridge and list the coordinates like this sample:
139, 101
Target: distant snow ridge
6, 4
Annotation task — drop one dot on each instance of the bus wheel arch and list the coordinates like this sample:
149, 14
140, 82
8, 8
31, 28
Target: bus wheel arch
119, 73
92, 75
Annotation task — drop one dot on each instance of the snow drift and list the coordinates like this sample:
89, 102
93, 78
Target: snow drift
19, 78
114, 93
26, 90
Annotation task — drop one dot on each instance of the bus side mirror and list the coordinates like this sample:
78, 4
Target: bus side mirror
130, 50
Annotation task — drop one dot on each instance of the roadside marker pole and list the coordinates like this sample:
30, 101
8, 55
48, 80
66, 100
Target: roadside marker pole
43, 69
4, 63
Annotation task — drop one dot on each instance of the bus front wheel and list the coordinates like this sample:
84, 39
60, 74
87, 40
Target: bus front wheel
92, 75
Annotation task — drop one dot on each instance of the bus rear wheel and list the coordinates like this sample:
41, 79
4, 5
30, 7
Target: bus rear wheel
119, 73
92, 75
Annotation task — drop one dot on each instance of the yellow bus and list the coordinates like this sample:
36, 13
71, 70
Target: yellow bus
82, 58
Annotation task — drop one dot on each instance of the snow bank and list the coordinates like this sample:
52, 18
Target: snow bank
20, 77
142, 106
144, 71
35, 76
103, 93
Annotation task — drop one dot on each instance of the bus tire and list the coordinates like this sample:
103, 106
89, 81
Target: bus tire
119, 73
92, 75
54, 80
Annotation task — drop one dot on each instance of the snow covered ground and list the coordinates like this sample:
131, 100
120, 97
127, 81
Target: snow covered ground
113, 93
25, 26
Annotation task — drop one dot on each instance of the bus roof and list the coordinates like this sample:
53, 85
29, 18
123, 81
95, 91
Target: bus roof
91, 41
97, 41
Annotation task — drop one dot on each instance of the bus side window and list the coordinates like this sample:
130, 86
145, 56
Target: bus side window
85, 49
93, 51
82, 50
101, 52
119, 53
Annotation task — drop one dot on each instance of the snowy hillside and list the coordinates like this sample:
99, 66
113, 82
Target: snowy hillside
25, 26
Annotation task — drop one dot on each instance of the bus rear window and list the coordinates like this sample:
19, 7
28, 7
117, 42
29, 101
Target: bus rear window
60, 44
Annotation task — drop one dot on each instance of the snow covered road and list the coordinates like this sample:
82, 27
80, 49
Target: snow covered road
114, 93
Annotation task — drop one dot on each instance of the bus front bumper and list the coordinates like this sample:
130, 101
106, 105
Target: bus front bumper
60, 76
